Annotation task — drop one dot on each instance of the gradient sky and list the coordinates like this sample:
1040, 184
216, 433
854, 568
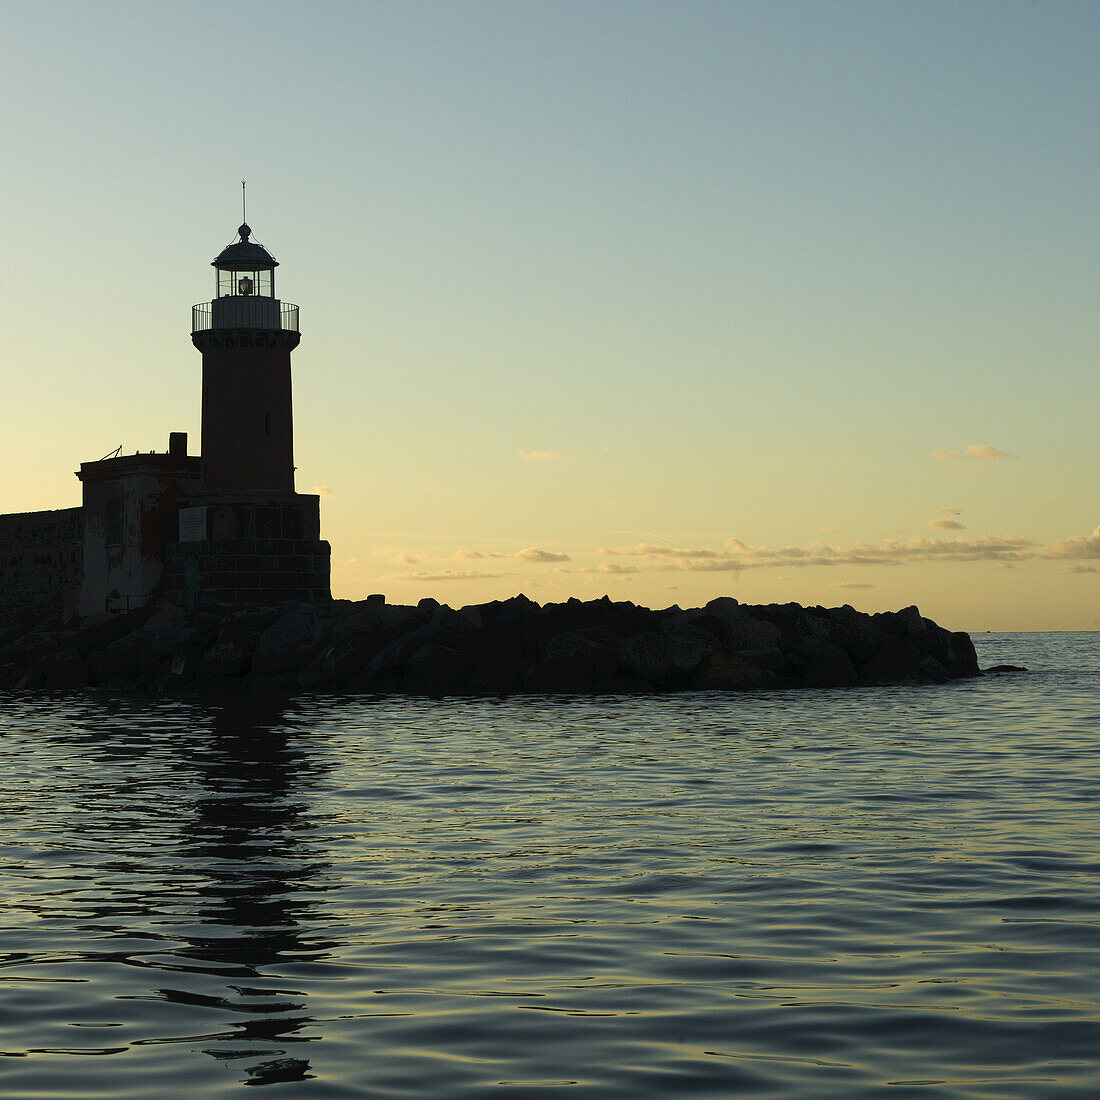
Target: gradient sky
784, 301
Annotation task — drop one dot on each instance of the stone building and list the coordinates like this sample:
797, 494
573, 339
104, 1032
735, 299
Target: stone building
225, 527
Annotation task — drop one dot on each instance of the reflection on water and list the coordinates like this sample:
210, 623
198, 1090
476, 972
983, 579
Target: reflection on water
245, 831
861, 893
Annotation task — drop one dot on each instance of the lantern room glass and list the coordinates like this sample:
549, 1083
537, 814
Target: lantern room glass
250, 283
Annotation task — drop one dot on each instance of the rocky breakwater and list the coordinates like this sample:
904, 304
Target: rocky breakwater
499, 648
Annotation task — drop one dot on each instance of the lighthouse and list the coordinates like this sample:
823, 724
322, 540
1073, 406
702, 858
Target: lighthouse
246, 336
224, 528
247, 537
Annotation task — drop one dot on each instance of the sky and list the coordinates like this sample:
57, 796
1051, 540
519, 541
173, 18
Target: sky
665, 301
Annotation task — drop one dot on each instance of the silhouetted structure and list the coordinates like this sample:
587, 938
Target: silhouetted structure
226, 528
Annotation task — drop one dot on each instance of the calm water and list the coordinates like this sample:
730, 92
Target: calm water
871, 892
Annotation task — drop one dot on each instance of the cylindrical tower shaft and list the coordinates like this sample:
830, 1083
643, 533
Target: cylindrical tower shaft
247, 425
246, 336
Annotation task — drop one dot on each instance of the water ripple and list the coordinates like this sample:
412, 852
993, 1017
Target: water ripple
855, 893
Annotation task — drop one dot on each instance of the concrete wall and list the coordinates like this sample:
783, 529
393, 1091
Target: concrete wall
41, 561
122, 568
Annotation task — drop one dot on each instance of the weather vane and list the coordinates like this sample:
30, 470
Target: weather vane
244, 208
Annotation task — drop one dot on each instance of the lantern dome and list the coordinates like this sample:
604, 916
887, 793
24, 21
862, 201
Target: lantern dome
245, 255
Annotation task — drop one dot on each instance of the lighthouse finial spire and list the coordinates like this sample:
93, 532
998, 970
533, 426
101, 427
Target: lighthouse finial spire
244, 209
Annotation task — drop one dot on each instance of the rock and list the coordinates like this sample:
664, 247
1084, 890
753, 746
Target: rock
930, 671
230, 655
498, 647
285, 645
168, 615
828, 667
573, 662
1007, 668
63, 669
725, 608
769, 658
362, 626
438, 670
748, 633
727, 672
647, 656
472, 613
965, 660
895, 662
688, 646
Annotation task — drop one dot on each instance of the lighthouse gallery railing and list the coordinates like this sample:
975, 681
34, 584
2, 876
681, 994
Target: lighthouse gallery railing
247, 313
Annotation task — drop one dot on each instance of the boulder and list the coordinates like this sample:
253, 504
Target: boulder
648, 657
749, 633
895, 662
285, 645
438, 670
728, 672
769, 658
573, 662
231, 653
828, 667
965, 660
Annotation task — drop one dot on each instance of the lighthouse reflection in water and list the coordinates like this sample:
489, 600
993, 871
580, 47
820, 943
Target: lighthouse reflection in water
858, 892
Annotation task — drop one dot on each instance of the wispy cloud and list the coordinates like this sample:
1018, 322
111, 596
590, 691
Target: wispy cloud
1080, 569
1077, 546
610, 568
1056, 499
447, 575
541, 455
946, 525
851, 584
737, 555
535, 554
648, 550
324, 491
982, 451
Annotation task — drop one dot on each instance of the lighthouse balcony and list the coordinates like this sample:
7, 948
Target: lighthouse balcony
244, 312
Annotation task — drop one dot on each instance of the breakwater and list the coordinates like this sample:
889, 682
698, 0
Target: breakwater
498, 648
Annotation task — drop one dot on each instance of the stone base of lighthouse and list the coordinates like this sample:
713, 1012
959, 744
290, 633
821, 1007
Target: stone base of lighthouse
259, 548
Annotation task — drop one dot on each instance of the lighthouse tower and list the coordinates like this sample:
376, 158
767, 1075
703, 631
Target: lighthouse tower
246, 336
245, 536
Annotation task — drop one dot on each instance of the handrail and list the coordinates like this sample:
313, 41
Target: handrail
248, 313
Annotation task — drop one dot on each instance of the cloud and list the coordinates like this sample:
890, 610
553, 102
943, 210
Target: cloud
647, 550
1078, 546
851, 584
737, 555
946, 525
1080, 569
972, 450
537, 455
1056, 499
535, 554
611, 568
447, 575
324, 491
406, 559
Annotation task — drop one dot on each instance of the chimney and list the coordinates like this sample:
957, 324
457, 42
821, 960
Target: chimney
177, 444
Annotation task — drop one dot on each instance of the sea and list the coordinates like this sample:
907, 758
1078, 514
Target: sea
867, 892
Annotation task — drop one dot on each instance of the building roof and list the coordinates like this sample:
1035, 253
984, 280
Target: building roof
245, 255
